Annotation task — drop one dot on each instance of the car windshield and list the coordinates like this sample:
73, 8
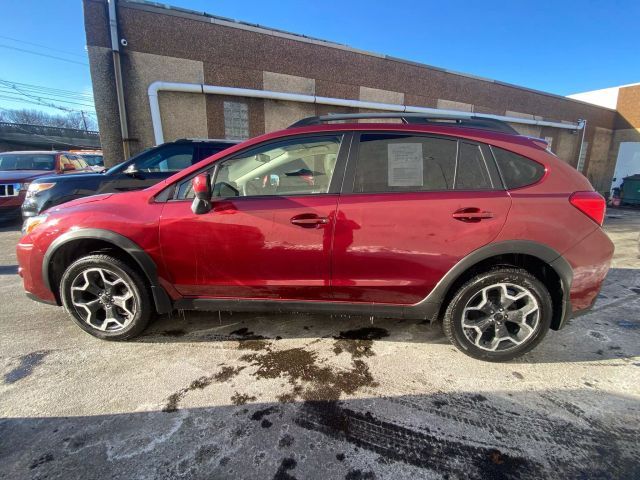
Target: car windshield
120, 167
93, 160
27, 161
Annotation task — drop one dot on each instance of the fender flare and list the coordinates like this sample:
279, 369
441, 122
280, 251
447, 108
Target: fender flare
161, 299
432, 302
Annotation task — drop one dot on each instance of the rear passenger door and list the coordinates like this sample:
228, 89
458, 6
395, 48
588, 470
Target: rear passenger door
411, 207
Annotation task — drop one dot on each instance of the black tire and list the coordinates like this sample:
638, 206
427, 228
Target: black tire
453, 319
140, 302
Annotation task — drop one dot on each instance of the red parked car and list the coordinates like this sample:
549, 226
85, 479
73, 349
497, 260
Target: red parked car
18, 169
467, 223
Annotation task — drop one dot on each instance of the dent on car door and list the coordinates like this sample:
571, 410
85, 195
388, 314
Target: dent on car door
269, 232
151, 168
413, 206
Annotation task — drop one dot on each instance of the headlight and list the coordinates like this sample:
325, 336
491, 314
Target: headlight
32, 222
35, 188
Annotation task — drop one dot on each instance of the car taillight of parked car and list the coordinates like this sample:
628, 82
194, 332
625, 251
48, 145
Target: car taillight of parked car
592, 204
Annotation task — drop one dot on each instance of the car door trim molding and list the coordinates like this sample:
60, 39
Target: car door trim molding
143, 260
428, 308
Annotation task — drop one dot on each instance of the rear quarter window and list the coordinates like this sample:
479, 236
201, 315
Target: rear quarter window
517, 171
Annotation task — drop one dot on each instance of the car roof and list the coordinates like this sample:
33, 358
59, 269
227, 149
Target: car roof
477, 134
31, 152
206, 140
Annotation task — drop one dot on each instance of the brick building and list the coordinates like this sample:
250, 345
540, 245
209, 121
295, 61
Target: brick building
159, 43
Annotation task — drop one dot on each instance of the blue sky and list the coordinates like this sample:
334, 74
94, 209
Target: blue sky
561, 47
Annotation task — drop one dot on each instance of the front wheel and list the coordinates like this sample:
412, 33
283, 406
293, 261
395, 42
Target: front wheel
499, 315
106, 297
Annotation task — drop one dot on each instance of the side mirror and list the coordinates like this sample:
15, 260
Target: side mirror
201, 185
131, 170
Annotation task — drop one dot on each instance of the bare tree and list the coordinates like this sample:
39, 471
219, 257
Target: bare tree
77, 120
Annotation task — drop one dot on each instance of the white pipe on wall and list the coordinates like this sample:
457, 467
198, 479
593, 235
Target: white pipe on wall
158, 86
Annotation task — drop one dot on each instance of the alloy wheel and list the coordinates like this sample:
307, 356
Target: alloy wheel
500, 317
103, 299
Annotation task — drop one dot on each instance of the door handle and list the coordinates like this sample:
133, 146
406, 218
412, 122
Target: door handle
471, 215
309, 220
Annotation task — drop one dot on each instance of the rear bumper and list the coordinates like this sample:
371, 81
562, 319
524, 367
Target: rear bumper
590, 261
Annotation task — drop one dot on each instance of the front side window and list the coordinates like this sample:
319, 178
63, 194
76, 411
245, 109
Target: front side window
292, 167
404, 163
13, 161
168, 159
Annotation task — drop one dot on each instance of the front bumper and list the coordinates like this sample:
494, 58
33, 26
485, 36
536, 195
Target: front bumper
10, 213
30, 269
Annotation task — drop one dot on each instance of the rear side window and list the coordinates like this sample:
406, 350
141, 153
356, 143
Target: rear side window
517, 171
472, 173
404, 163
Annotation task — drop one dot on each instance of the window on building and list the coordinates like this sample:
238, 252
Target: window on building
517, 171
236, 120
404, 163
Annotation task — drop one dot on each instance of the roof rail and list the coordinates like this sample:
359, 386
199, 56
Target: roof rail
459, 120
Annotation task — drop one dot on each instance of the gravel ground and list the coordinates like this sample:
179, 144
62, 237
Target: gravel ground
310, 396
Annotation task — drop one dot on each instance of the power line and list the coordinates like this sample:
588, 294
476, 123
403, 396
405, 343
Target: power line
43, 98
43, 55
35, 89
41, 104
42, 46
38, 97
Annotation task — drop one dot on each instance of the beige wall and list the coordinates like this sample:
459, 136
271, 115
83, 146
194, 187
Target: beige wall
280, 114
599, 169
183, 114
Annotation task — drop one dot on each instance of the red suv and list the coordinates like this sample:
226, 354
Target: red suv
454, 219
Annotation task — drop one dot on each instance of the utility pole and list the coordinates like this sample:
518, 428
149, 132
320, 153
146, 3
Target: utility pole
84, 120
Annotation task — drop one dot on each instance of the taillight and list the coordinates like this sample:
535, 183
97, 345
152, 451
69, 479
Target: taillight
592, 204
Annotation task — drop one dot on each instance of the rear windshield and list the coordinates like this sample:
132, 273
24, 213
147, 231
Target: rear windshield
27, 161
517, 171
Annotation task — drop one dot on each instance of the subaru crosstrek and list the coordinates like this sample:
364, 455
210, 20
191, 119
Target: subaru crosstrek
467, 223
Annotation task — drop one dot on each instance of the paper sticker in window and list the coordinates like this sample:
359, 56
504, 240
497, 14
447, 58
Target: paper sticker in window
405, 165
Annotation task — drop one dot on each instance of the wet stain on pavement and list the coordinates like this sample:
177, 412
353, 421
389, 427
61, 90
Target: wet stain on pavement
46, 458
198, 384
359, 475
358, 342
313, 381
27, 364
227, 373
241, 398
286, 465
246, 334
173, 333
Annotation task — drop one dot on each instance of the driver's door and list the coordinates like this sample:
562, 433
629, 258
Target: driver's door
269, 234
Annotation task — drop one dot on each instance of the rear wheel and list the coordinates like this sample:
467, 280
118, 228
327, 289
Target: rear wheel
106, 297
499, 315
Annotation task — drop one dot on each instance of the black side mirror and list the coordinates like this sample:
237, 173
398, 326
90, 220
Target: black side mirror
201, 185
132, 170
